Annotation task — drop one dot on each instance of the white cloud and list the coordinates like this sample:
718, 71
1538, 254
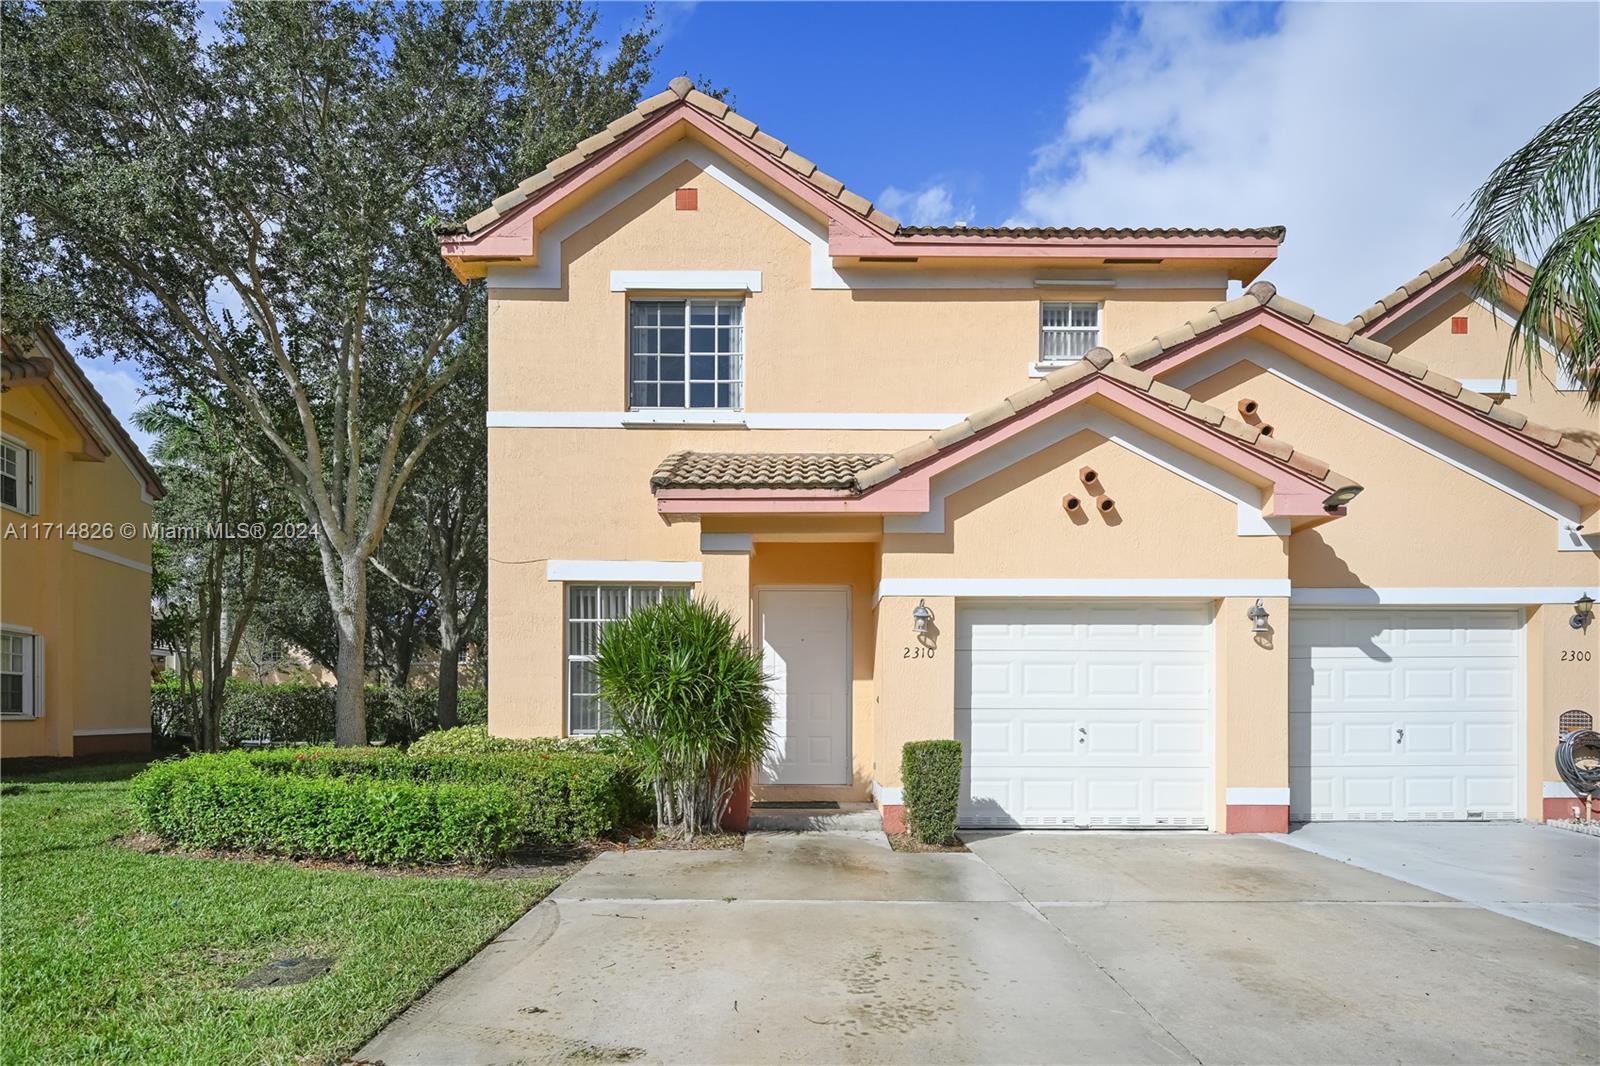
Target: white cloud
931, 205
1361, 127
121, 385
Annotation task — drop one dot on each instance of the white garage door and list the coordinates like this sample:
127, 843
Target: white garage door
1399, 715
1084, 714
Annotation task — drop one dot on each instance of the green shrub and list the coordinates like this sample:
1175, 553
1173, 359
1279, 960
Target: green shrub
230, 801
571, 795
687, 692
475, 740
931, 771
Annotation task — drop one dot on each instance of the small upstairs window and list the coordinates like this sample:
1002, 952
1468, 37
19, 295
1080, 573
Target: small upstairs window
686, 354
17, 470
1067, 332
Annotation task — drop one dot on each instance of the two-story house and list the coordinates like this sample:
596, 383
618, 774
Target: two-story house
75, 502
1262, 565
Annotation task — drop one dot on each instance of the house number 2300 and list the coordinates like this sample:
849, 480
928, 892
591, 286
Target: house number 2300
1579, 656
918, 652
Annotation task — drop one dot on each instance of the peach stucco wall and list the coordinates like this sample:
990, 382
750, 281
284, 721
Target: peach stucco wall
1481, 353
936, 350
92, 615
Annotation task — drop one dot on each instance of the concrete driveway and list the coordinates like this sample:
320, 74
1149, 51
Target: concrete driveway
1037, 947
1536, 873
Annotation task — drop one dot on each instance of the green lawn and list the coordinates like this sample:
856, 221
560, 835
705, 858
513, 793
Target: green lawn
108, 955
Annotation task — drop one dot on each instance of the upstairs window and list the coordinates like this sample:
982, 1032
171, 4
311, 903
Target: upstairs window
16, 476
686, 354
1067, 332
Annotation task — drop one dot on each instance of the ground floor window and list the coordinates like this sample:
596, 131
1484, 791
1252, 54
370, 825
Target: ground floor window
589, 608
16, 674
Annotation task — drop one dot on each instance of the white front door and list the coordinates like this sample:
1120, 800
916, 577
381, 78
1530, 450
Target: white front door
1404, 714
1084, 714
805, 649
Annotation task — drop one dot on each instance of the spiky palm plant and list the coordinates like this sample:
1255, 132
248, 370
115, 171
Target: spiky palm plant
686, 690
1546, 195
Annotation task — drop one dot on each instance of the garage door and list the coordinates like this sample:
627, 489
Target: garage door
1084, 714
1401, 715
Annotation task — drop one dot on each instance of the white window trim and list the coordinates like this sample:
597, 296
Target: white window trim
33, 680
685, 409
672, 281
568, 658
28, 494
621, 572
1042, 366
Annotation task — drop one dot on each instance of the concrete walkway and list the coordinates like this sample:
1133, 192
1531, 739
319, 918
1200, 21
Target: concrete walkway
1037, 947
1535, 873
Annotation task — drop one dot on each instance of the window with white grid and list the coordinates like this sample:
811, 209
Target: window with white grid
589, 608
16, 476
686, 354
16, 675
1068, 331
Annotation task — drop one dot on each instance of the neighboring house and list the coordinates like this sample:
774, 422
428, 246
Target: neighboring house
1258, 567
75, 653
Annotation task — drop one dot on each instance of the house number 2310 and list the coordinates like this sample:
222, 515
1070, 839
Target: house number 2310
918, 652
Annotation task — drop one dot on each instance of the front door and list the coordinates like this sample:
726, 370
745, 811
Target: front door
805, 646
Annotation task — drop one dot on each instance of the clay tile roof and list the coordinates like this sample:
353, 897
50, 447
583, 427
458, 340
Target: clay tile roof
1409, 289
1099, 361
1274, 233
1263, 295
680, 91
762, 470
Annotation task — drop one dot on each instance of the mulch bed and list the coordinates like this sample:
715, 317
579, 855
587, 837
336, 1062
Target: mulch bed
649, 840
907, 842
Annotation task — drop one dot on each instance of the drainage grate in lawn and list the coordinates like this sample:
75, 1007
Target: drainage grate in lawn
795, 805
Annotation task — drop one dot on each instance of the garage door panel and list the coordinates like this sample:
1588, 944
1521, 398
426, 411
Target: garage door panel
1084, 714
1404, 714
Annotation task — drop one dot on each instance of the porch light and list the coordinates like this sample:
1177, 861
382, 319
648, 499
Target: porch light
1340, 497
921, 616
1582, 611
1258, 617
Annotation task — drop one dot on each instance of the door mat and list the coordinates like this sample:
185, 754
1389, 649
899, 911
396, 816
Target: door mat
795, 805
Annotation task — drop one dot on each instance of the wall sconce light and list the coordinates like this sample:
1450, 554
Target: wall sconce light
1582, 611
921, 618
1258, 617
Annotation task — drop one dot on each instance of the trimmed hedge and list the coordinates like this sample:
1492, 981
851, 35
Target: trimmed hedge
226, 801
931, 771
295, 713
381, 805
475, 740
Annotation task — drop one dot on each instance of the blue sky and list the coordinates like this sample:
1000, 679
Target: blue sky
1362, 127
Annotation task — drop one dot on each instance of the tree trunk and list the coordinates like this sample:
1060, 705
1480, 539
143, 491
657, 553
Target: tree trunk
449, 653
350, 672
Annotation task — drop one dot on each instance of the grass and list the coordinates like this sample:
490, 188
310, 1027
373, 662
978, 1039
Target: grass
111, 955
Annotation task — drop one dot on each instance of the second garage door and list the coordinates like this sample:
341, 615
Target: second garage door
1404, 715
1084, 714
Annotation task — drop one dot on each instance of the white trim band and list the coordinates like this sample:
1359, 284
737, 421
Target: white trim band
726, 543
1558, 790
1434, 597
1258, 797
686, 280
1154, 588
893, 420
888, 797
133, 731
101, 553
622, 571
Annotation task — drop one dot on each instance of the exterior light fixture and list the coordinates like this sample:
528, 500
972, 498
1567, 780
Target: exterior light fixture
1341, 497
1258, 617
921, 618
1582, 611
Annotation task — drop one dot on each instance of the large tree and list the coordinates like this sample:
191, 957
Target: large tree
247, 208
1543, 203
